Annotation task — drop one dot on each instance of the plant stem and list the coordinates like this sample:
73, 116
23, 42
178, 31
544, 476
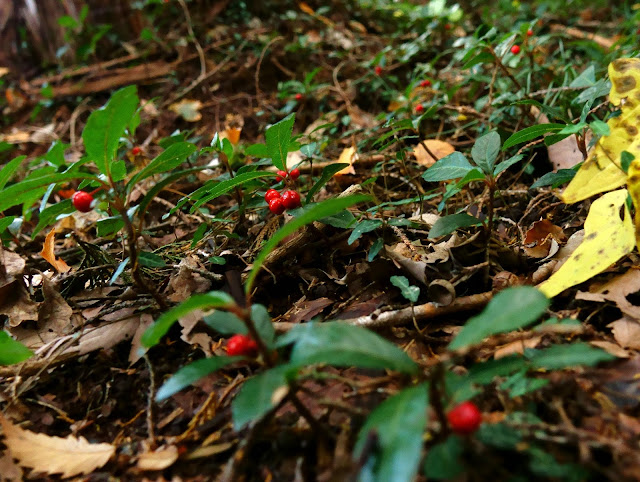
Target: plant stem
489, 228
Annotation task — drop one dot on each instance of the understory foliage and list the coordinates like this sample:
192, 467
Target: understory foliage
428, 172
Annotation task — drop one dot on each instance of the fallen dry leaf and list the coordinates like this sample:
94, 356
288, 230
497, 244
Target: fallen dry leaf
68, 456
9, 470
626, 332
542, 239
19, 306
54, 316
438, 148
516, 347
188, 109
618, 291
48, 253
347, 156
187, 281
159, 460
611, 348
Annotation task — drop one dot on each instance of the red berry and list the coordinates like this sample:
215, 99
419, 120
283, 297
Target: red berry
294, 173
276, 205
298, 96
425, 83
378, 70
241, 345
447, 26
529, 33
271, 194
136, 151
82, 201
419, 109
515, 49
464, 418
291, 199
281, 175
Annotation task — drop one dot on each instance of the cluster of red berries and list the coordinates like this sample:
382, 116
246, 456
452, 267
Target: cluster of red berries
289, 199
242, 345
465, 418
82, 201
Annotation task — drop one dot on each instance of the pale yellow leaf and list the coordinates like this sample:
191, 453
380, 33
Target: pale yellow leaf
347, 156
48, 253
68, 456
607, 239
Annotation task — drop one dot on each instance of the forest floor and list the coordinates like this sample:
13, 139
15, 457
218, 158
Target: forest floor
386, 89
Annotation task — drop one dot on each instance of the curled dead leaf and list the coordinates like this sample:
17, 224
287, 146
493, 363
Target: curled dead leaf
542, 239
48, 253
348, 156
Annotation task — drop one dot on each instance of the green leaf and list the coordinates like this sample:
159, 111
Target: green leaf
160, 185
9, 169
511, 309
224, 187
167, 161
448, 224
626, 158
340, 344
600, 128
260, 394
319, 211
444, 460
278, 138
507, 164
263, 323
485, 151
363, 227
106, 126
6, 222
344, 219
555, 179
520, 384
531, 133
257, 150
399, 423
109, 226
375, 249
225, 323
409, 291
12, 351
192, 373
586, 79
327, 174
213, 299
151, 260
564, 356
499, 435
50, 213
453, 166
26, 189
474, 174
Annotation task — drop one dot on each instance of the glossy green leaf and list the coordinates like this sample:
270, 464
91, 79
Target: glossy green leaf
327, 174
225, 323
224, 187
511, 309
278, 138
555, 179
193, 372
171, 158
26, 189
399, 423
260, 394
151, 260
454, 166
340, 344
262, 321
106, 126
49, 214
319, 211
213, 299
11, 351
362, 227
9, 169
565, 356
530, 133
507, 164
409, 291
448, 224
485, 151
444, 460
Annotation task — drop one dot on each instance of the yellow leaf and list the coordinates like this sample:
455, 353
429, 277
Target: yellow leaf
347, 156
68, 456
48, 253
607, 238
633, 184
601, 171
